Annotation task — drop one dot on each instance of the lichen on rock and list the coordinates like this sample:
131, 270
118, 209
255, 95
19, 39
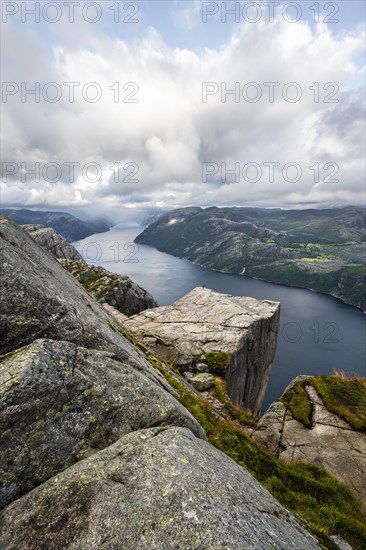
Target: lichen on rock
119, 291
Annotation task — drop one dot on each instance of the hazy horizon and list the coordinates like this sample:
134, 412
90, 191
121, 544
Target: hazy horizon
166, 104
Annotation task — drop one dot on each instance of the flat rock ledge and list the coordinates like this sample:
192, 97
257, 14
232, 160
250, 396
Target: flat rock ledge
204, 323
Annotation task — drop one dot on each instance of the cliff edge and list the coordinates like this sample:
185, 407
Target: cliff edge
234, 336
103, 445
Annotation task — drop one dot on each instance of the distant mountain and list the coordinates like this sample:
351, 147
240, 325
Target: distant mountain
67, 225
319, 249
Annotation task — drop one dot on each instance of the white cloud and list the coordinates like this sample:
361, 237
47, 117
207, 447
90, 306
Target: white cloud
170, 132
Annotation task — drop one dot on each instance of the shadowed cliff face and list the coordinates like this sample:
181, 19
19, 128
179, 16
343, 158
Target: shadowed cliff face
205, 322
250, 366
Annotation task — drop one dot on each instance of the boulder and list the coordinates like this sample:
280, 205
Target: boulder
48, 239
340, 543
115, 290
202, 381
201, 367
159, 488
330, 442
60, 402
241, 331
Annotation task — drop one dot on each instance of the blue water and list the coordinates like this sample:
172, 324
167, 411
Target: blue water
318, 333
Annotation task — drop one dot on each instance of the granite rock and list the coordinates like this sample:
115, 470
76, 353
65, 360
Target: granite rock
48, 239
153, 489
119, 291
331, 443
60, 402
205, 321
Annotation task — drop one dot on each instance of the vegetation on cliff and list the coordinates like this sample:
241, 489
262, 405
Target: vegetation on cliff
106, 287
342, 395
323, 502
319, 249
82, 353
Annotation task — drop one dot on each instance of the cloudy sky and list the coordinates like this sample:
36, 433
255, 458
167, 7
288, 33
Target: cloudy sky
174, 103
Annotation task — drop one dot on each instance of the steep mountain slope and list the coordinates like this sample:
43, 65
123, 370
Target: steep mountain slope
49, 239
319, 249
106, 287
67, 225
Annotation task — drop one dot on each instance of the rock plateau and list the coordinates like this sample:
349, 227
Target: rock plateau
242, 331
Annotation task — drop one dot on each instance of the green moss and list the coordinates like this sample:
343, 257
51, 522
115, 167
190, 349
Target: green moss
112, 326
297, 401
128, 336
325, 503
344, 396
236, 412
217, 362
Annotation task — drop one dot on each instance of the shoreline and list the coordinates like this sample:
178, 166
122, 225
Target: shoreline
258, 278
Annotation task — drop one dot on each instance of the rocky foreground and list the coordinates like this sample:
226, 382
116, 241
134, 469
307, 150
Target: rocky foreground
205, 328
105, 446
143, 476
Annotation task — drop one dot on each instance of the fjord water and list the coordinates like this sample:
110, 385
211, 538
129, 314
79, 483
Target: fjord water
318, 333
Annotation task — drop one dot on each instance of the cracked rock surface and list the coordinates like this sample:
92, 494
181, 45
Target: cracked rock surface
60, 403
153, 489
207, 321
331, 443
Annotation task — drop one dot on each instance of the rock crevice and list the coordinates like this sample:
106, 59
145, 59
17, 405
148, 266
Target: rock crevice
330, 443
